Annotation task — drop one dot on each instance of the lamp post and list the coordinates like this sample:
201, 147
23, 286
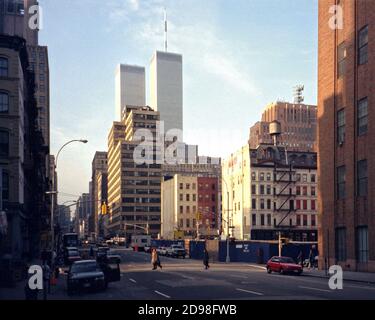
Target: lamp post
54, 189
227, 260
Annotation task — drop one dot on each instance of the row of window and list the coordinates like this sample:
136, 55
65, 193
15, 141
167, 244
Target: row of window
362, 52
299, 190
194, 197
267, 177
362, 244
194, 186
362, 120
266, 220
294, 204
361, 180
193, 209
192, 223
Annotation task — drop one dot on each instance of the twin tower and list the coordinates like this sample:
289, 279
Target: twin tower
165, 88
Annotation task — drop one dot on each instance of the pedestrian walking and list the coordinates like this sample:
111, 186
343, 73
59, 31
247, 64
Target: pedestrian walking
206, 259
301, 258
312, 258
154, 259
158, 263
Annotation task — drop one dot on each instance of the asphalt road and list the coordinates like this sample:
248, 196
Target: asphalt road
187, 279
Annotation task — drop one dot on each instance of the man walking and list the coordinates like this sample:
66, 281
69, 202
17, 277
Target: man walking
206, 259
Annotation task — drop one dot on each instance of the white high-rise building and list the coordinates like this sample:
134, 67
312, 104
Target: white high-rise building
130, 87
166, 93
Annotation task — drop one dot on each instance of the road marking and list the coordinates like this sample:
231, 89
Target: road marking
162, 294
252, 292
316, 289
132, 280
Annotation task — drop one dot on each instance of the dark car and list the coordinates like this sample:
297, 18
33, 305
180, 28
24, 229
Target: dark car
283, 265
85, 274
71, 255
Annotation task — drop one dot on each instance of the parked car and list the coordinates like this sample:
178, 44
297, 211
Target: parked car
283, 265
71, 255
162, 251
176, 251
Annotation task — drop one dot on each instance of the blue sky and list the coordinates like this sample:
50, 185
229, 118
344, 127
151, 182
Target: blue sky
239, 55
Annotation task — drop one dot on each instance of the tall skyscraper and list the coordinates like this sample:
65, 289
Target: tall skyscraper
130, 88
166, 88
346, 134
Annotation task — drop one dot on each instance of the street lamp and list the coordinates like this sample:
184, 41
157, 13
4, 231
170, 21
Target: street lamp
54, 189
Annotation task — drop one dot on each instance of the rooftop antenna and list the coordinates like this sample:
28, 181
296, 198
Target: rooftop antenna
165, 30
297, 93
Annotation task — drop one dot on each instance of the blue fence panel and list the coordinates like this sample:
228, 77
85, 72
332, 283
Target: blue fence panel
196, 249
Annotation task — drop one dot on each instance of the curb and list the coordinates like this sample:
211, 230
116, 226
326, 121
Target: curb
345, 279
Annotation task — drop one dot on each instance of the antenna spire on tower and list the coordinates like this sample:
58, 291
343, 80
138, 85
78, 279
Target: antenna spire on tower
165, 30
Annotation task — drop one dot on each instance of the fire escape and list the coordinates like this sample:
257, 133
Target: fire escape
284, 198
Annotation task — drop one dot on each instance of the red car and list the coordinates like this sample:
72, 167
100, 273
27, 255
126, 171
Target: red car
283, 265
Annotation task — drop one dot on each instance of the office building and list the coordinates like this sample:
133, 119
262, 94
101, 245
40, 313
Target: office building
166, 89
298, 124
346, 135
130, 88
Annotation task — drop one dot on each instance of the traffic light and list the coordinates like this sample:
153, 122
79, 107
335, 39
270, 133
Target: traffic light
104, 209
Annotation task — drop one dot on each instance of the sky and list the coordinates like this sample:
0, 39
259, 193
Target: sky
238, 56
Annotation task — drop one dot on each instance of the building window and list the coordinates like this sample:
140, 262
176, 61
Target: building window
253, 175
181, 209
313, 220
341, 126
253, 204
298, 220
262, 203
312, 204
181, 186
268, 189
304, 178
3, 67
188, 197
262, 219
269, 204
341, 182
254, 219
181, 223
304, 204
269, 220
194, 197
298, 190
188, 209
304, 189
262, 189
362, 178
4, 102
187, 186
362, 244
304, 220
341, 55
362, 116
253, 189
363, 45
187, 223
194, 186
5, 186
261, 176
313, 192
181, 197
340, 242
4, 143
298, 204
194, 209
268, 176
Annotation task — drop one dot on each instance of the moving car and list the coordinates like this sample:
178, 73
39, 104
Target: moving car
283, 265
71, 255
176, 251
90, 274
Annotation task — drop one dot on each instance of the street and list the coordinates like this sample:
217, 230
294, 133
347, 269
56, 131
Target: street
186, 279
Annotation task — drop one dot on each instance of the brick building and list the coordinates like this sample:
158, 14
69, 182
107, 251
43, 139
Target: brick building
346, 134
